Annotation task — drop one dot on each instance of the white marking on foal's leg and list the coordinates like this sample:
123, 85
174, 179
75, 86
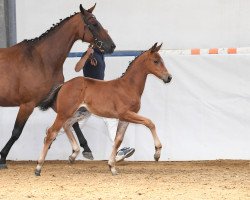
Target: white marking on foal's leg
157, 143
111, 161
48, 140
121, 129
80, 114
73, 142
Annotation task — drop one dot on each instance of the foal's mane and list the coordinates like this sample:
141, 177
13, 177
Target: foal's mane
131, 63
52, 29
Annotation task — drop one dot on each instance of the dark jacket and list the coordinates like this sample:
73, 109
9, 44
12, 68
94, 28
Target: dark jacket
97, 71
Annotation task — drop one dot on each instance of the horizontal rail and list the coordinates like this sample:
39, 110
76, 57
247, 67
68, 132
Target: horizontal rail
211, 51
115, 54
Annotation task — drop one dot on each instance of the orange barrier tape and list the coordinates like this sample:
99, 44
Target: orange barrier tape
213, 51
232, 51
195, 51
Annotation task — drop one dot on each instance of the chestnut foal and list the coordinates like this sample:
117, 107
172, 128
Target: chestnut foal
80, 97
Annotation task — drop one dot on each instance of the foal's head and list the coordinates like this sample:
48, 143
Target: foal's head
95, 32
155, 64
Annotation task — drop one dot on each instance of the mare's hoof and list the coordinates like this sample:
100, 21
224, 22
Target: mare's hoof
71, 160
88, 155
38, 172
3, 166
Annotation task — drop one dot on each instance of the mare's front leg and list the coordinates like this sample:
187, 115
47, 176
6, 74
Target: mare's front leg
50, 136
135, 118
121, 129
24, 112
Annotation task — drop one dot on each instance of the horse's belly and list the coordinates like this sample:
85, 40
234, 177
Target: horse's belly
9, 94
8, 102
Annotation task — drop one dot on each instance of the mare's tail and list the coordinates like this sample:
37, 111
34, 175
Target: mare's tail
50, 99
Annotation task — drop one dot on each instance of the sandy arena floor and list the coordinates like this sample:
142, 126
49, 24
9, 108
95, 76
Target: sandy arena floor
136, 180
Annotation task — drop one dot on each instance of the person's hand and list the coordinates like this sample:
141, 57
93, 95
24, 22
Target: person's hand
93, 61
90, 51
79, 66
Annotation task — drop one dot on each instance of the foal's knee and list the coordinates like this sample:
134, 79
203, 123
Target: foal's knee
150, 125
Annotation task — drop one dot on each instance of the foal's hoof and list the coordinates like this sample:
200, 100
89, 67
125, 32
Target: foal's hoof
157, 156
38, 172
113, 171
71, 159
3, 166
88, 155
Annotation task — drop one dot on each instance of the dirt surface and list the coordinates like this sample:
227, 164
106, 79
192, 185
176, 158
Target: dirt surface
136, 180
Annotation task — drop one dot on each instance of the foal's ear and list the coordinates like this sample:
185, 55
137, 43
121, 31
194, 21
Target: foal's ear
158, 48
91, 9
152, 49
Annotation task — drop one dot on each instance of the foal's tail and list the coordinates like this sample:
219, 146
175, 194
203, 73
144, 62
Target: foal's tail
50, 99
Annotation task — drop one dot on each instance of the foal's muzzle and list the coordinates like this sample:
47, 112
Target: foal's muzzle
167, 79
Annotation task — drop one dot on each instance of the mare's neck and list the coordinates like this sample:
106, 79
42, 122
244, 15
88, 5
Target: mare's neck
135, 77
55, 46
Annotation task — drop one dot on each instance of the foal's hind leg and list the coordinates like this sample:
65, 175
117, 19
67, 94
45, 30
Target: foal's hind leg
75, 146
51, 135
121, 129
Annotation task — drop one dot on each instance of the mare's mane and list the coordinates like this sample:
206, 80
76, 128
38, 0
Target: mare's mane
52, 29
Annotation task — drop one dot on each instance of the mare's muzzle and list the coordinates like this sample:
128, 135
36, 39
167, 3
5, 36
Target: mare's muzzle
106, 46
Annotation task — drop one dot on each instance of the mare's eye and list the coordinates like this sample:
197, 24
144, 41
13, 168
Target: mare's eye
156, 61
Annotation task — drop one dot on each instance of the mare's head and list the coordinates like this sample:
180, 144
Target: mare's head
155, 64
95, 33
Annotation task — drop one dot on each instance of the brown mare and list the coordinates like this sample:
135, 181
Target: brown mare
30, 69
119, 98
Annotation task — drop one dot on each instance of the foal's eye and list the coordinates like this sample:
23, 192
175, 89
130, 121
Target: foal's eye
156, 61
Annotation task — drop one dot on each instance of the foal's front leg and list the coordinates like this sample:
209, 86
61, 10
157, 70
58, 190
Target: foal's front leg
135, 118
121, 129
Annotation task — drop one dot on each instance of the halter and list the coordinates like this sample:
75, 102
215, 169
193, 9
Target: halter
97, 42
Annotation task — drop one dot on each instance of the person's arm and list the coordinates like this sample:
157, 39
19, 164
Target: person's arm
80, 64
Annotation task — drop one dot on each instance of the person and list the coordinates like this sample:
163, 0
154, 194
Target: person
93, 65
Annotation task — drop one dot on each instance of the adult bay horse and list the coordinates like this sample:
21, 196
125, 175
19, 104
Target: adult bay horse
119, 98
30, 69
